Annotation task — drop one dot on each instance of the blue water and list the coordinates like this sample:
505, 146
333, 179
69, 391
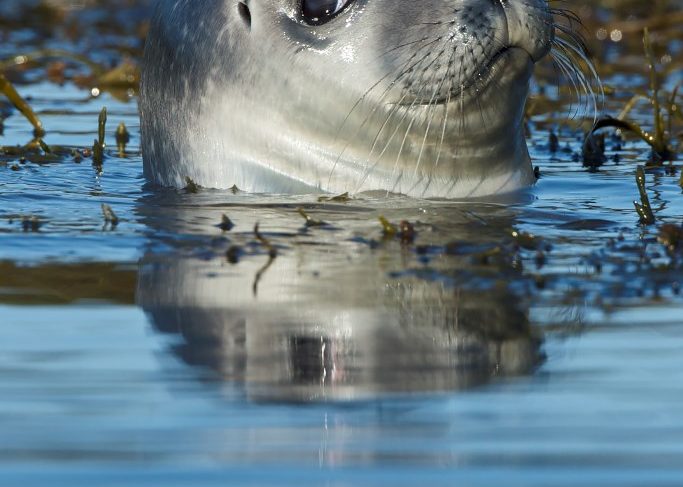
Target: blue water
99, 398
139, 355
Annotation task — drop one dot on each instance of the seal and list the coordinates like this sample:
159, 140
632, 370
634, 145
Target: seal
297, 96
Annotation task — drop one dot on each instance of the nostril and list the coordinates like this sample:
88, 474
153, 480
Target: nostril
245, 14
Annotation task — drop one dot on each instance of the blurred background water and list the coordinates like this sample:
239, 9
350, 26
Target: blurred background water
531, 339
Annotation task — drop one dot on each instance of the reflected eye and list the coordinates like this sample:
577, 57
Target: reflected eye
320, 11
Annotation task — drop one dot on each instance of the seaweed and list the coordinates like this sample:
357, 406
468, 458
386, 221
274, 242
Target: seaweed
671, 236
643, 208
311, 222
123, 76
20, 104
593, 151
233, 254
342, 198
660, 140
272, 255
31, 224
405, 230
122, 139
388, 228
99, 144
110, 217
272, 251
190, 186
226, 223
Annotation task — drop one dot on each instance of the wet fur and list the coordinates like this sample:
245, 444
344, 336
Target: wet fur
426, 99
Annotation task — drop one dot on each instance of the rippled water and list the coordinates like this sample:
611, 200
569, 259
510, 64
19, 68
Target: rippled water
169, 351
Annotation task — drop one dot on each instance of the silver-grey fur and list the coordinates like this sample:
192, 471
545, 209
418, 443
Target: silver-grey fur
421, 98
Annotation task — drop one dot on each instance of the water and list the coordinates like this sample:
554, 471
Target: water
165, 350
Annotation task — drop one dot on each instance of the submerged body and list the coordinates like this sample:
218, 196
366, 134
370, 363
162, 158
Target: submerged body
420, 98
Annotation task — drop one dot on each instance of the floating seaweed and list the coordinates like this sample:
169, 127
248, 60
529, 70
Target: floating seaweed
7, 89
526, 240
342, 198
31, 223
226, 223
110, 217
99, 144
671, 236
593, 151
311, 222
190, 186
122, 139
233, 254
643, 208
388, 228
272, 254
405, 230
661, 139
272, 251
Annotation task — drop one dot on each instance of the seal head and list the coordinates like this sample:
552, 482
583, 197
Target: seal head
421, 98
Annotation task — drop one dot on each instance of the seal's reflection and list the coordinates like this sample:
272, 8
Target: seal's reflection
329, 322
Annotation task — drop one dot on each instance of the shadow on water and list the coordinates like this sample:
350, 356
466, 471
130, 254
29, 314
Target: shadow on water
328, 318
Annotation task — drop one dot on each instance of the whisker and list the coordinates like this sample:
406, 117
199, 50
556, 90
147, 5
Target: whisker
376, 107
394, 109
431, 112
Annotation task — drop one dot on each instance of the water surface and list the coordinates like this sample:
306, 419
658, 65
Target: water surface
166, 350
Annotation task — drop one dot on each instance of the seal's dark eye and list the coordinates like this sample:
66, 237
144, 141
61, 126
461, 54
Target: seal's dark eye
320, 11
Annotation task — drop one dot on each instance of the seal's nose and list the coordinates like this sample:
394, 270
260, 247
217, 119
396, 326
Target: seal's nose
530, 26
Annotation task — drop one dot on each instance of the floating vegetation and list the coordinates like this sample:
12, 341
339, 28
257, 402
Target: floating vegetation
272, 251
405, 230
342, 198
118, 80
593, 151
190, 186
99, 143
272, 254
526, 240
643, 208
7, 89
122, 139
31, 224
109, 216
226, 223
233, 254
96, 71
553, 142
496, 255
125, 76
311, 222
388, 228
661, 139
671, 236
